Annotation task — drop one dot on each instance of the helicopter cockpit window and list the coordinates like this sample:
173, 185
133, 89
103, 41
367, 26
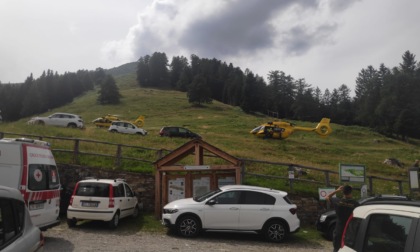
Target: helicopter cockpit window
257, 129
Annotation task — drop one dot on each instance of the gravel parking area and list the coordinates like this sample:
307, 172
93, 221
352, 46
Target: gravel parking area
96, 236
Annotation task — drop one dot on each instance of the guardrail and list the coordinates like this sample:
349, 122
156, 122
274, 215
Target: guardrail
117, 156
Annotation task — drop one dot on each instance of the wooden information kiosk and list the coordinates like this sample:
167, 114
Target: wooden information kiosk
184, 173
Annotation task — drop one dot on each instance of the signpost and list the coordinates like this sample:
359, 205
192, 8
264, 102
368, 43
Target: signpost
352, 173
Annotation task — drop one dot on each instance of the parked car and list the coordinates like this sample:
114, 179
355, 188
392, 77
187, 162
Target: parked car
59, 119
174, 131
17, 232
383, 226
126, 127
234, 208
327, 220
102, 199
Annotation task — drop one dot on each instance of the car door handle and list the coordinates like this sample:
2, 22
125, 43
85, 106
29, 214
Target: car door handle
233, 208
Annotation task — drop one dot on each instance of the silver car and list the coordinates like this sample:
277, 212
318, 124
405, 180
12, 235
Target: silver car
126, 127
17, 233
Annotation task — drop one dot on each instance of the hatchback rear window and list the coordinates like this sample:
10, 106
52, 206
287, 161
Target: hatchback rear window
93, 189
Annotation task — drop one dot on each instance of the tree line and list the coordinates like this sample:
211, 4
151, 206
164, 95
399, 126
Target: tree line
52, 90
386, 99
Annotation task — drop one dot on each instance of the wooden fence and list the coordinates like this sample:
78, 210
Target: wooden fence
118, 157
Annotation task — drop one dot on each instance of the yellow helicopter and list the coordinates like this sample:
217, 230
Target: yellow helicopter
282, 130
105, 121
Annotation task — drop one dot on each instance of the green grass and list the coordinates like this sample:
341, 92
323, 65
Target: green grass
227, 128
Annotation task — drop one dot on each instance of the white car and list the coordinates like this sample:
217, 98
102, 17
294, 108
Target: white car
234, 208
102, 199
59, 119
383, 226
17, 232
126, 127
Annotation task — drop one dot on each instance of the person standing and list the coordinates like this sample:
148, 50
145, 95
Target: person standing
343, 208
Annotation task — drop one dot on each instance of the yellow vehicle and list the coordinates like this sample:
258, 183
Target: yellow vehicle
105, 121
282, 130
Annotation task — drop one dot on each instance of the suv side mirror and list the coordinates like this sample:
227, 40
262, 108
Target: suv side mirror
211, 202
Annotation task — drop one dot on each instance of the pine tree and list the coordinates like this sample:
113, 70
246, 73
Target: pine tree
109, 93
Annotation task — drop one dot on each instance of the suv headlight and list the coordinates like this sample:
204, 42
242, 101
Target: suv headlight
170, 210
322, 218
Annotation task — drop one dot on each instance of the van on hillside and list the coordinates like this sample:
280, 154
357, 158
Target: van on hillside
29, 166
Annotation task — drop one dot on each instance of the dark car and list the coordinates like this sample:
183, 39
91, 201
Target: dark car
327, 220
174, 131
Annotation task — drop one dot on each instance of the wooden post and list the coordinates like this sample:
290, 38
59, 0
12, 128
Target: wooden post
118, 157
243, 170
400, 187
291, 178
370, 186
327, 178
76, 152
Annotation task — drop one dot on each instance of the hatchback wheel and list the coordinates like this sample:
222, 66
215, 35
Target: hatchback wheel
188, 226
71, 222
136, 212
72, 125
114, 131
275, 231
115, 220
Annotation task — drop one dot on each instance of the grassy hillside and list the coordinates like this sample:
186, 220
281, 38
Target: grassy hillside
227, 128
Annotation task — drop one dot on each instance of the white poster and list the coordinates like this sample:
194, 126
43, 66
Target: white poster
201, 186
176, 189
414, 180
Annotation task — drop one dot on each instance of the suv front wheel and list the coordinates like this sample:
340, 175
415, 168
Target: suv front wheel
188, 226
275, 231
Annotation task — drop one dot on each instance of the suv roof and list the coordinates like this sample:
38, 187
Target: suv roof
251, 188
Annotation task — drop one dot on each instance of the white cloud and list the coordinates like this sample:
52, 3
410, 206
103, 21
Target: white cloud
325, 42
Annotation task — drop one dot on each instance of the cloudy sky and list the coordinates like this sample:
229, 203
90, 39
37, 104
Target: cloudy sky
325, 42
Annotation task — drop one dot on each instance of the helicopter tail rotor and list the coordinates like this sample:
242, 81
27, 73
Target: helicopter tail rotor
323, 128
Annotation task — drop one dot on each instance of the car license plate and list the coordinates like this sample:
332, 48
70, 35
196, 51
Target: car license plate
89, 204
36, 206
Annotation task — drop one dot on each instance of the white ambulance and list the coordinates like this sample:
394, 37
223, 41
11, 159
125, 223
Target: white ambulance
29, 166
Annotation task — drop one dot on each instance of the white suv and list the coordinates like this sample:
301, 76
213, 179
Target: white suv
59, 119
102, 199
383, 226
234, 208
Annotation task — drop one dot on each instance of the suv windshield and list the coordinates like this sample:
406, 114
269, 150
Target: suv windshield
93, 189
206, 195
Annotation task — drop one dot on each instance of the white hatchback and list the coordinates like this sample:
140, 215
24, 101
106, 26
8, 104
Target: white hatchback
234, 208
126, 127
102, 199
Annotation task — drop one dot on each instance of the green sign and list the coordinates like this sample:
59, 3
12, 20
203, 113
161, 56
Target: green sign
352, 173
